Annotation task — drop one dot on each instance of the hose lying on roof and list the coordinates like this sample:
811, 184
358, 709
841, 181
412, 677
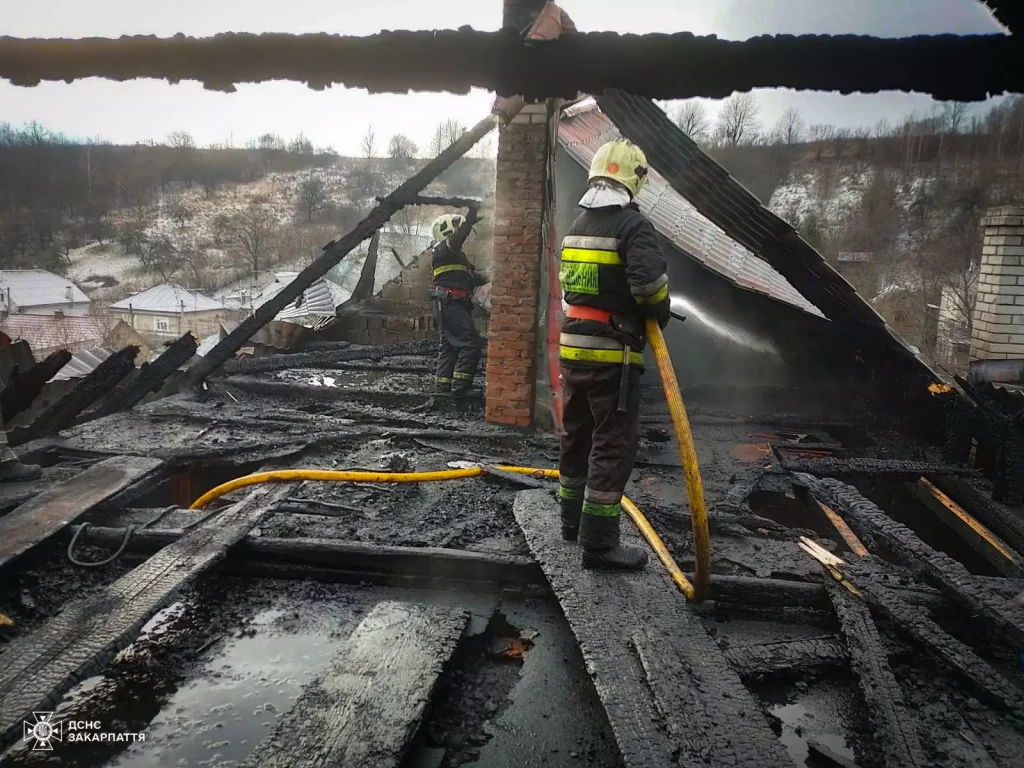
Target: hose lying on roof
292, 475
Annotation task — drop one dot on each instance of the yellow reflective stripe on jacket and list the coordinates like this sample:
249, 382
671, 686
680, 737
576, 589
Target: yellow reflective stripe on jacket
655, 298
451, 268
591, 256
613, 356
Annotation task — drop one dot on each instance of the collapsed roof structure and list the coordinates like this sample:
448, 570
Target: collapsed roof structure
910, 498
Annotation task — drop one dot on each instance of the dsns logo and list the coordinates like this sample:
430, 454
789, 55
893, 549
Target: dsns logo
42, 731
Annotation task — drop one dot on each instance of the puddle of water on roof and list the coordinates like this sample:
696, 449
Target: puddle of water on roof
232, 702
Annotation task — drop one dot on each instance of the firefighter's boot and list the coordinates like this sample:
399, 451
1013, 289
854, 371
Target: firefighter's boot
571, 511
599, 537
16, 472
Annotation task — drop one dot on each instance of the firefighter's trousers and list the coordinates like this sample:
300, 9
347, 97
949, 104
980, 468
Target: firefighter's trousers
599, 443
459, 352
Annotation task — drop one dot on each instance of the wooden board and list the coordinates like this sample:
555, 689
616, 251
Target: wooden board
38, 668
365, 708
669, 692
50, 511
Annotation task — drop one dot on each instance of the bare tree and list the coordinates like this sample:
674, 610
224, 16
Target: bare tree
692, 118
181, 140
131, 235
221, 229
159, 255
180, 212
312, 196
737, 120
955, 115
447, 133
820, 134
300, 145
368, 144
882, 129
401, 149
254, 233
194, 257
790, 127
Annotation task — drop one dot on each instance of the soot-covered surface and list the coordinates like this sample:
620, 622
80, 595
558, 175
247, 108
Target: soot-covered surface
212, 674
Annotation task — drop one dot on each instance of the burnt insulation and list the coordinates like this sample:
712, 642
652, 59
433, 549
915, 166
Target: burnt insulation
660, 66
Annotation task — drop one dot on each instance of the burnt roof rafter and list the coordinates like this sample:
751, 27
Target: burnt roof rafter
660, 66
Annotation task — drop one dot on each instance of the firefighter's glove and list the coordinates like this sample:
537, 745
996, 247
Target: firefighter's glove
663, 313
473, 217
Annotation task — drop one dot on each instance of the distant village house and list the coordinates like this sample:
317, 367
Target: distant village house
38, 292
166, 311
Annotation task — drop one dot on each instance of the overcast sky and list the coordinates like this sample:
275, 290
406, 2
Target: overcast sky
145, 109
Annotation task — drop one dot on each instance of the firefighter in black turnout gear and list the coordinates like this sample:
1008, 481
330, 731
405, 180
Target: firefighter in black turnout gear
453, 283
613, 278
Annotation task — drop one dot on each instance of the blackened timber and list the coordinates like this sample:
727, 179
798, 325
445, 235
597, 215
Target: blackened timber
22, 389
782, 656
669, 693
40, 667
949, 67
151, 377
891, 467
62, 413
891, 720
915, 623
365, 708
364, 287
420, 562
976, 495
335, 251
47, 513
881, 533
314, 359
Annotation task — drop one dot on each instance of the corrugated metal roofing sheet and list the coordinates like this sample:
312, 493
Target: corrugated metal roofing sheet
583, 130
83, 363
321, 299
37, 287
170, 298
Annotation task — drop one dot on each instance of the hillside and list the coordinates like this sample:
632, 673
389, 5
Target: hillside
118, 220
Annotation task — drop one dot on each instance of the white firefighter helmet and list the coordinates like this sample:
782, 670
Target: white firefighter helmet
445, 226
620, 161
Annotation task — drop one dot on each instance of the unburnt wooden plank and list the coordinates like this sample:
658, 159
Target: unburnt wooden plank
365, 708
670, 694
38, 668
46, 514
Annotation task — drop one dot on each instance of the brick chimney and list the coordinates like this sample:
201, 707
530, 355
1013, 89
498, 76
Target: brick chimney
998, 325
518, 246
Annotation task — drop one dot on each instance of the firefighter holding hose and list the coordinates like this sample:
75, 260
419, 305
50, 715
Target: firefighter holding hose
613, 277
454, 279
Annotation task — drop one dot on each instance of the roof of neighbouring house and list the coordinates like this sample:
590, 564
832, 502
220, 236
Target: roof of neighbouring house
321, 299
48, 332
583, 130
37, 287
170, 298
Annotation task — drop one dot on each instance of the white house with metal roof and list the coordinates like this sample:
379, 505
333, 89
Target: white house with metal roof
38, 292
168, 310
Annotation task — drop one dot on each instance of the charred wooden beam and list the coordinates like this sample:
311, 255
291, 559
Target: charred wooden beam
915, 623
365, 707
39, 667
964, 68
150, 378
22, 389
891, 719
881, 533
335, 251
976, 494
452, 202
61, 414
892, 467
321, 358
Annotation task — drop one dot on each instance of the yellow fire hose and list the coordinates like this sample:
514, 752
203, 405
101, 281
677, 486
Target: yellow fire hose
286, 475
688, 455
